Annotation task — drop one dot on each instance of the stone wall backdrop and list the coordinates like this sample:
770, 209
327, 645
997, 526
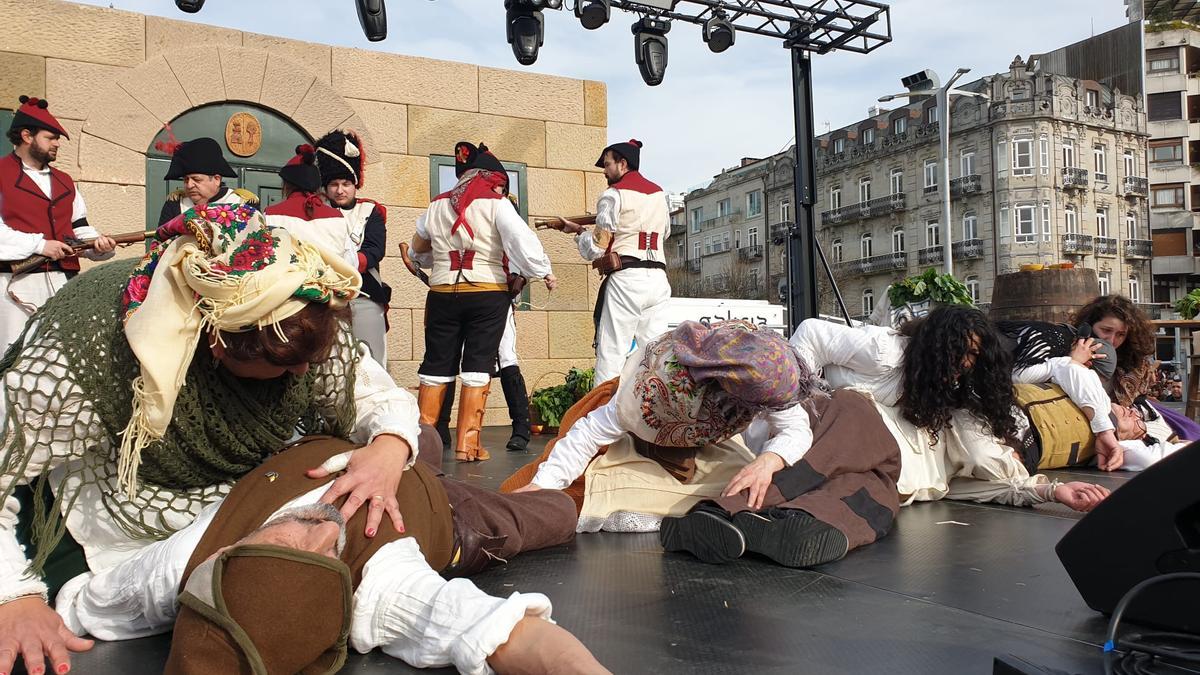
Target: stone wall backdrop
115, 88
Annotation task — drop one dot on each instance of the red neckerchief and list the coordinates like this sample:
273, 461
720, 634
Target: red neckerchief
479, 186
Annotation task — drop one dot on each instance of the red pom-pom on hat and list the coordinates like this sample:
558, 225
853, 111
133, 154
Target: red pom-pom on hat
634, 141
33, 112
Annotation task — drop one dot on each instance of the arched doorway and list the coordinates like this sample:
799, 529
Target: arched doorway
263, 139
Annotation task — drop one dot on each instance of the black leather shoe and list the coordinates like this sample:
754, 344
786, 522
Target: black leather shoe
791, 537
706, 533
473, 552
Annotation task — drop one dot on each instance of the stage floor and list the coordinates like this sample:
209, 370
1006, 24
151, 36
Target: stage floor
952, 586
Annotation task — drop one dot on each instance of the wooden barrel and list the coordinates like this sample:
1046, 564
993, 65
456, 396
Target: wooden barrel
1043, 295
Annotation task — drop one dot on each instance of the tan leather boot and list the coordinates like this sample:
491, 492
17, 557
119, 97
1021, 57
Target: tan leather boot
429, 402
472, 401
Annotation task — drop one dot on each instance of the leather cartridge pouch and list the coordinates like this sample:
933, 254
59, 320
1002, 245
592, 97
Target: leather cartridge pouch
607, 263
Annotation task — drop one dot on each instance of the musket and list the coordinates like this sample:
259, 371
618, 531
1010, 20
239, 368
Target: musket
556, 224
77, 246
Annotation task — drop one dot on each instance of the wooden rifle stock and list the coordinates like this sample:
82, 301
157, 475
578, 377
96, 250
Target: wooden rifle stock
554, 224
78, 246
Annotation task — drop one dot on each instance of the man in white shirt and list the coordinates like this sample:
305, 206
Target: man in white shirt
40, 208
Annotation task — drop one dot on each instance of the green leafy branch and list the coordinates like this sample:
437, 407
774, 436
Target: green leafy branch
929, 285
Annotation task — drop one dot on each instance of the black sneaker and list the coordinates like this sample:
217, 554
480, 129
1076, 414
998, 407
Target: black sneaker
705, 534
791, 537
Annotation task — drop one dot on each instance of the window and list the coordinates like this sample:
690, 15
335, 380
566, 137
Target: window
868, 301
785, 211
696, 249
970, 229
754, 272
1092, 98
708, 245
899, 125
1105, 283
864, 189
1127, 160
1044, 154
1025, 227
973, 287
1101, 161
1135, 289
839, 146
898, 239
1045, 221
1166, 106
697, 216
835, 198
1131, 228
896, 180
1022, 156
724, 242
737, 238
1102, 222
1072, 218
931, 174
837, 250
1001, 162
868, 136
864, 245
1167, 196
966, 163
932, 233
1166, 152
752, 236
1162, 60
1002, 226
723, 207
931, 115
753, 203
1068, 146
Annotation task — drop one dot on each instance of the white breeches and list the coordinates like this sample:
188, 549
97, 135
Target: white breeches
21, 297
632, 311
369, 324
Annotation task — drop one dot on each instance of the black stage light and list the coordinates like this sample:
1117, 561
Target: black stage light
593, 13
189, 6
719, 33
650, 48
525, 27
372, 16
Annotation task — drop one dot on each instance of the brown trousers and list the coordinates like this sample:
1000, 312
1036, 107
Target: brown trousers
848, 478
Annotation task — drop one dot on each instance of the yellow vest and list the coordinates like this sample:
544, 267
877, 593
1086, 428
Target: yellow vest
1065, 433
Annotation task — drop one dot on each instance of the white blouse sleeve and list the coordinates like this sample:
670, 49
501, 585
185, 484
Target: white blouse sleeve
607, 209
382, 407
573, 452
985, 470
868, 350
525, 253
790, 434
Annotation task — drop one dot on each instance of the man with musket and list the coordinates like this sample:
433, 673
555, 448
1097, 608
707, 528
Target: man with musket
40, 208
474, 238
200, 164
632, 223
340, 156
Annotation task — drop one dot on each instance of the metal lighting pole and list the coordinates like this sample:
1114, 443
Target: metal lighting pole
942, 99
802, 270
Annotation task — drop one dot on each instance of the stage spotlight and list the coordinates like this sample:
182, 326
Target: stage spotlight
189, 6
525, 28
719, 33
592, 13
372, 16
650, 48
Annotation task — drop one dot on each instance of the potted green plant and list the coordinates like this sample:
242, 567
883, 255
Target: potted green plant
548, 405
914, 296
1189, 305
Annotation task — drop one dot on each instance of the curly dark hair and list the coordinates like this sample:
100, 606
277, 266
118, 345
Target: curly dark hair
14, 135
1139, 333
935, 383
305, 337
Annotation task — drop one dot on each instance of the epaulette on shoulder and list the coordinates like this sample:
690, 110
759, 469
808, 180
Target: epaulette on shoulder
246, 196
176, 195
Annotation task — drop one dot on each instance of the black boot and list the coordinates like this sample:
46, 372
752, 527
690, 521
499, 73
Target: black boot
706, 532
791, 537
443, 420
513, 384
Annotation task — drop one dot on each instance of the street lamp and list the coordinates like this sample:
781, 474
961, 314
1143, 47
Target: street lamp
942, 97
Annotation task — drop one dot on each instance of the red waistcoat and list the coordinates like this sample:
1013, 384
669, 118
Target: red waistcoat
25, 208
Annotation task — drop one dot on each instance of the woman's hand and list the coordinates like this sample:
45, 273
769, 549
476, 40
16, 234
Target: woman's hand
755, 477
371, 478
1084, 351
1110, 456
30, 629
551, 282
1080, 496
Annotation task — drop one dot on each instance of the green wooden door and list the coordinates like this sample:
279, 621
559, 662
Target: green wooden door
256, 173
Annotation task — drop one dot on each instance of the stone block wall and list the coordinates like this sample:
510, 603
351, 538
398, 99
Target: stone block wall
116, 89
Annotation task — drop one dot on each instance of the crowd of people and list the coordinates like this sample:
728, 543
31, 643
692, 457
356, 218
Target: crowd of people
206, 439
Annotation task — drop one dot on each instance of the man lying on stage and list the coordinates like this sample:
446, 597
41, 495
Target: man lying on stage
273, 576
917, 421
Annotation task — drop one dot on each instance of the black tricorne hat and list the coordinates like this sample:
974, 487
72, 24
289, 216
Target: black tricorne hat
468, 156
200, 155
301, 170
340, 154
631, 150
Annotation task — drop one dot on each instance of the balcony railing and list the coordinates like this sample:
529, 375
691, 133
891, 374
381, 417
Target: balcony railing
779, 232
868, 209
1106, 246
1101, 177
751, 252
717, 248
734, 216
692, 265
1074, 243
1073, 178
876, 264
1135, 186
967, 249
1139, 248
971, 184
930, 255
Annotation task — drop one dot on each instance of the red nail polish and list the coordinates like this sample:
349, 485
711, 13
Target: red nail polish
401, 530
63, 668
370, 532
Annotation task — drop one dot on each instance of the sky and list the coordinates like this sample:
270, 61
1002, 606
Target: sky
712, 109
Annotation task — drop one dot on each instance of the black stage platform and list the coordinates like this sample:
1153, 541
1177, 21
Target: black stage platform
951, 587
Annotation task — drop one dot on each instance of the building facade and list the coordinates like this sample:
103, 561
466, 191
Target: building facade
115, 91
